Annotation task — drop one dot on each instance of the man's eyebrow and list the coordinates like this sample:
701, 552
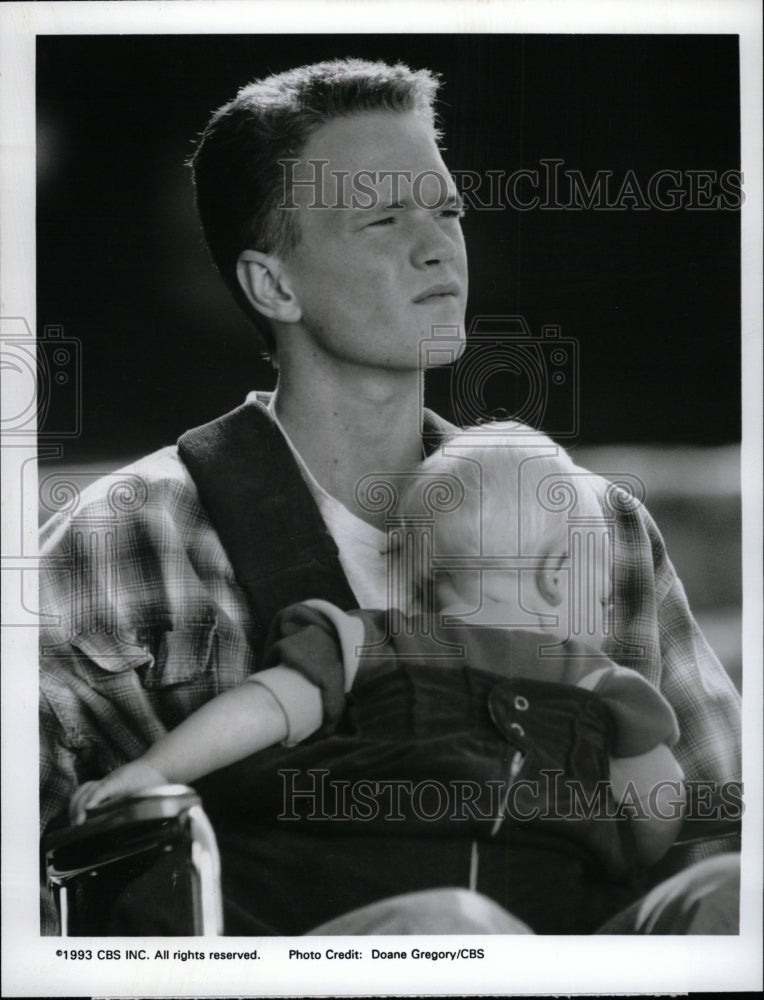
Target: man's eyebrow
452, 200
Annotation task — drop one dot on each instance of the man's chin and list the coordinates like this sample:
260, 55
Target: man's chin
443, 346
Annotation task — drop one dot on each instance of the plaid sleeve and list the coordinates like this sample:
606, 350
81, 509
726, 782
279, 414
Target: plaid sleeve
653, 632
143, 623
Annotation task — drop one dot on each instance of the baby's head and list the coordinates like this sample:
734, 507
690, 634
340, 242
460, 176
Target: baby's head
522, 540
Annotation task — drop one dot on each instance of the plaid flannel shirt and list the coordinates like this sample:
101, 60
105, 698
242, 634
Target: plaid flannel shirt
146, 621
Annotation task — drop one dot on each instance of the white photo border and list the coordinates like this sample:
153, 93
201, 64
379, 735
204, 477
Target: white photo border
527, 965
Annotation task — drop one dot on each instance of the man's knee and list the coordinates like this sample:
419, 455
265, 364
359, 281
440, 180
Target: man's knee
460, 911
702, 899
432, 911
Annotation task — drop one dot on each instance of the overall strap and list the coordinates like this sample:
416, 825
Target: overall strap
267, 520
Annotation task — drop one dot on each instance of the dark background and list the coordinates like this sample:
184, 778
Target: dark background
652, 298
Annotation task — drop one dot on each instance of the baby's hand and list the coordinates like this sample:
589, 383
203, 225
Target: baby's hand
129, 778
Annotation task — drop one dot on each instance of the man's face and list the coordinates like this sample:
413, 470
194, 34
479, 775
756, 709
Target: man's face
383, 268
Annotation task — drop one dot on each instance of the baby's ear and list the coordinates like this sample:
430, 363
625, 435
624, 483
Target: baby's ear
445, 592
551, 579
463, 594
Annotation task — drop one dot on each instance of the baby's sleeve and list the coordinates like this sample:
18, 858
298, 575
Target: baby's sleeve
310, 663
643, 717
298, 698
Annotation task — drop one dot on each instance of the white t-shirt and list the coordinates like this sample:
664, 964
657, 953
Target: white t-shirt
362, 547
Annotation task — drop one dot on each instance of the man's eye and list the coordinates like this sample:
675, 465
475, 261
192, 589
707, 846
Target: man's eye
386, 221
453, 213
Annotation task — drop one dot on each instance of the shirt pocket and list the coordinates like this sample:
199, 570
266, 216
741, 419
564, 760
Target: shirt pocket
182, 656
161, 657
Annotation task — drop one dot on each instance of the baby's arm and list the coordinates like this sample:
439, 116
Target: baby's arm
653, 784
278, 704
232, 726
649, 784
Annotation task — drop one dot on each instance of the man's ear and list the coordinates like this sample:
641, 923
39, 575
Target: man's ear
267, 288
551, 579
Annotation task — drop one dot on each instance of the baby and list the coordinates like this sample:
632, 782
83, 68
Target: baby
515, 499
510, 578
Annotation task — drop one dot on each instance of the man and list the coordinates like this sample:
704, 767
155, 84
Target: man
333, 219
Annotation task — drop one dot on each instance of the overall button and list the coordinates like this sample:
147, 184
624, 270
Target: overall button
501, 707
522, 704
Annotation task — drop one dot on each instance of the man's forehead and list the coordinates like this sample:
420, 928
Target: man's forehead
379, 143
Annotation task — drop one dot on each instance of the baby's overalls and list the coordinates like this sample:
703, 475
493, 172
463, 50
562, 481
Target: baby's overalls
437, 773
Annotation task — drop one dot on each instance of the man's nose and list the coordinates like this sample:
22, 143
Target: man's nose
432, 244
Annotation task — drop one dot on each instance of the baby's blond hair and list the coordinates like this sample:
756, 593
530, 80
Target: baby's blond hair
500, 489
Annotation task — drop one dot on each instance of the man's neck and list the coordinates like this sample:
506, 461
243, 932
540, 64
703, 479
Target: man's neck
349, 425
